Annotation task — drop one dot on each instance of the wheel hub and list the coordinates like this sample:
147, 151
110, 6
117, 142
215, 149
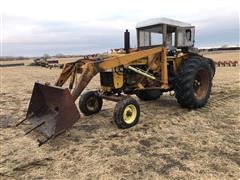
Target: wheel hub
197, 83
129, 114
201, 84
92, 103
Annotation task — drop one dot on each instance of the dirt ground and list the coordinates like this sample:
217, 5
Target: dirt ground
168, 142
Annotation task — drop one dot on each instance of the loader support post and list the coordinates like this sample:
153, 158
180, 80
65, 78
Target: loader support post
164, 70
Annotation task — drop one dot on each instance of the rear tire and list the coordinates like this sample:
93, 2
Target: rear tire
148, 95
193, 83
213, 66
90, 103
126, 113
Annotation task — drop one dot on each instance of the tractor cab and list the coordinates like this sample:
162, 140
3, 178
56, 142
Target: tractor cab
166, 32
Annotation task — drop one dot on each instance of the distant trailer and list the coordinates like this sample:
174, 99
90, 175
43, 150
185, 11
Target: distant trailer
12, 65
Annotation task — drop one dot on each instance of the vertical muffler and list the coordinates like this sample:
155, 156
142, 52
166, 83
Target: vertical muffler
51, 110
127, 41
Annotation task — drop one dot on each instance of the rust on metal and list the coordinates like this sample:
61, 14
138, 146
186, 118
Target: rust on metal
89, 71
164, 70
53, 105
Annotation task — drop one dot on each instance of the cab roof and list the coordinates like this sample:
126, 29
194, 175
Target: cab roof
160, 21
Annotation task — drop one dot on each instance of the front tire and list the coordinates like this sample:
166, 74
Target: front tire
126, 113
90, 103
193, 83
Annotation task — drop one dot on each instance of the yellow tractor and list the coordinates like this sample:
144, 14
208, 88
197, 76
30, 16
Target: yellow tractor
165, 60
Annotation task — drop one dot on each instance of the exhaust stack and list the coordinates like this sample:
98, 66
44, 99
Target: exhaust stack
126, 41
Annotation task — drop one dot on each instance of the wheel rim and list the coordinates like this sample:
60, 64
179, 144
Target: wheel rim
130, 114
201, 84
92, 104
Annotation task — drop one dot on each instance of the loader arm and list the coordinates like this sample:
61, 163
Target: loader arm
90, 69
70, 69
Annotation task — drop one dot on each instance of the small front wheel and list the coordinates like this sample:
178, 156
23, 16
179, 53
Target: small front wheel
126, 113
90, 103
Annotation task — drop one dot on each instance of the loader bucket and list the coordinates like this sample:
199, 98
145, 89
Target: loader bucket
51, 109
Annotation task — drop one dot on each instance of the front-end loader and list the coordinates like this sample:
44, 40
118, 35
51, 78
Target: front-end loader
165, 60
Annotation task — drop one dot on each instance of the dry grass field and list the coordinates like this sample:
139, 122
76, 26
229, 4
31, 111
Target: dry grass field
223, 55
168, 142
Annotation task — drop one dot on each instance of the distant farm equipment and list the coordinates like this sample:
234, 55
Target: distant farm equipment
12, 65
226, 63
43, 62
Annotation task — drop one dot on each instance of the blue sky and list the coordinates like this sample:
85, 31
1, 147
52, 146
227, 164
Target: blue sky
32, 28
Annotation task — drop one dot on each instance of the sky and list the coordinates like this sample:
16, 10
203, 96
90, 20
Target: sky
33, 28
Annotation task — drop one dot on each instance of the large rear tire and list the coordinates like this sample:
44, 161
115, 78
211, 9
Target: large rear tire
213, 66
193, 83
148, 95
